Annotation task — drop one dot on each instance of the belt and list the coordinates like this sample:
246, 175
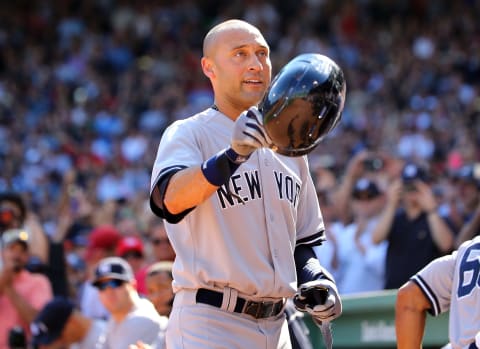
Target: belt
258, 310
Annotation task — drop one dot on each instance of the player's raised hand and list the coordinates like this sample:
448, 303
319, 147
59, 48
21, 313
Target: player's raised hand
320, 299
248, 133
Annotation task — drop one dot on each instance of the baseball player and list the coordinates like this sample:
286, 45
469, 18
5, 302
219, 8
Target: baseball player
241, 218
449, 283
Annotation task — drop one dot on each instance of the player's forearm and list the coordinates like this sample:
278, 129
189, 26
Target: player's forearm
410, 317
187, 188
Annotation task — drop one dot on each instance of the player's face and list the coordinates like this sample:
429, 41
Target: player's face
241, 67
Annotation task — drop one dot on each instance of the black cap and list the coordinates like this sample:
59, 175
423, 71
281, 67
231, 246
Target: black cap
469, 173
113, 268
50, 322
412, 172
365, 189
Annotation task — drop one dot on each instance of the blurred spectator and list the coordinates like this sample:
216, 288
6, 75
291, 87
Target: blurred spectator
76, 276
22, 293
60, 325
159, 286
14, 213
130, 248
132, 318
76, 87
468, 181
364, 164
102, 243
363, 261
161, 247
411, 224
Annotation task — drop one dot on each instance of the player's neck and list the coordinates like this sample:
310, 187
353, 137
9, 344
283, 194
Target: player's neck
228, 110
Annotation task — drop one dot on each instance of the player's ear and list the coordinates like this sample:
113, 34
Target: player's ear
207, 67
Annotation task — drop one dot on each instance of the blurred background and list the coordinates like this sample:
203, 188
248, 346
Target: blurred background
87, 88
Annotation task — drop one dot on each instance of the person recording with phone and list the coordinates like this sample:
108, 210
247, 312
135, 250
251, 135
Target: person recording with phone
412, 225
22, 293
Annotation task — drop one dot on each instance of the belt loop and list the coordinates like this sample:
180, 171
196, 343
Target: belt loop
226, 298
233, 300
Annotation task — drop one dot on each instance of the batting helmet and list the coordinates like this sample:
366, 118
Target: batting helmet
303, 103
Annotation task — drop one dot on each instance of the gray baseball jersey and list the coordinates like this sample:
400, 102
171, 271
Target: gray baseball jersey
95, 338
452, 283
223, 242
142, 324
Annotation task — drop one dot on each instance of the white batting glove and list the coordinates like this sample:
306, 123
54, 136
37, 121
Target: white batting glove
248, 133
320, 299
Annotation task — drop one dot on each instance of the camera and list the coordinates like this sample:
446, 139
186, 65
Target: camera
373, 164
17, 338
409, 186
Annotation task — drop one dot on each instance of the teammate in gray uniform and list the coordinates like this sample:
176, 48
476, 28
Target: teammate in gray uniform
449, 283
236, 211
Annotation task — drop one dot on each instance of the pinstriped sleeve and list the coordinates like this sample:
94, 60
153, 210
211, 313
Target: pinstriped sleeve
435, 281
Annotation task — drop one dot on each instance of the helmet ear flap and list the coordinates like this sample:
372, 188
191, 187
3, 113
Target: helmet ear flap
303, 103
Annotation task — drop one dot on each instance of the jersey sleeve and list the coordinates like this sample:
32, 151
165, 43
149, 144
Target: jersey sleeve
310, 226
178, 149
435, 281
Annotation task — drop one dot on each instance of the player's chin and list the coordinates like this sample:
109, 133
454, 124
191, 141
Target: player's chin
253, 96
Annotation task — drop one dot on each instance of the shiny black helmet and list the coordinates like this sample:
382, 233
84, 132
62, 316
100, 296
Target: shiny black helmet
303, 103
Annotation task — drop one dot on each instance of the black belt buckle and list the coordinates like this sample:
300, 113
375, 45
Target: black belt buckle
263, 309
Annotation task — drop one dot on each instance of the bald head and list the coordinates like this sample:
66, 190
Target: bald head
215, 34
236, 59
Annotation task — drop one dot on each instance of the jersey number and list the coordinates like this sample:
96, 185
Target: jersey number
469, 270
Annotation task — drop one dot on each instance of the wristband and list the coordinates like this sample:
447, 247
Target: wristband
218, 169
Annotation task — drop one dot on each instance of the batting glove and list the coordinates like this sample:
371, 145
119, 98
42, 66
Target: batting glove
320, 299
248, 133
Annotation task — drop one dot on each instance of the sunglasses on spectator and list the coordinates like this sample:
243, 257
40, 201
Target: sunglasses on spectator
365, 195
159, 241
112, 283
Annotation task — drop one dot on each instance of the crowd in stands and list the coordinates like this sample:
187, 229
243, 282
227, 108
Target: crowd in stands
87, 87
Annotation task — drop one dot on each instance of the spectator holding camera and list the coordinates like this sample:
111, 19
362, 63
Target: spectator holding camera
363, 261
379, 167
411, 224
